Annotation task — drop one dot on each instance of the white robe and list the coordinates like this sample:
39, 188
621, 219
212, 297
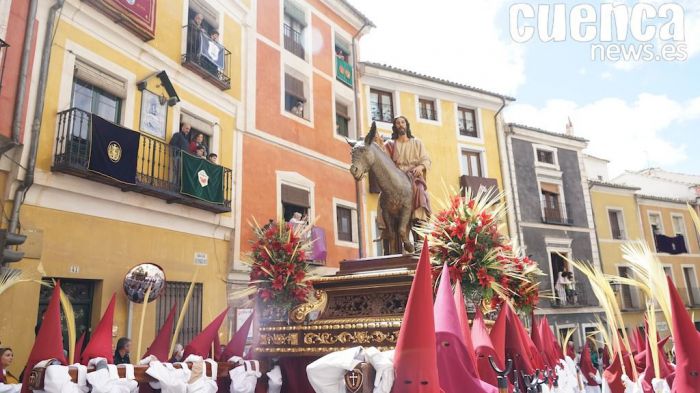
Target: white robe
327, 374
274, 382
170, 379
593, 389
106, 380
244, 378
58, 380
383, 363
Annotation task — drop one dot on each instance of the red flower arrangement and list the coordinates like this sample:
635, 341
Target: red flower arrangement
466, 236
279, 268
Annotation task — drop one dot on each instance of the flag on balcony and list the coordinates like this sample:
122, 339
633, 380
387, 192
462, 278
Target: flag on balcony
212, 51
201, 179
113, 151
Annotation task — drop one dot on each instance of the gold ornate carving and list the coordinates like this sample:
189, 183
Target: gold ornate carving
359, 337
318, 303
308, 350
279, 339
339, 324
370, 276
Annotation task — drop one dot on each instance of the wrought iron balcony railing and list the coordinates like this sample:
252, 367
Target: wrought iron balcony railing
207, 58
555, 214
574, 298
157, 172
293, 41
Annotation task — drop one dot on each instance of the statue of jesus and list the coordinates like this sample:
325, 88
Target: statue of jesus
409, 154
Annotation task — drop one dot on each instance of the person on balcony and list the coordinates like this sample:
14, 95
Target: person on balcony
196, 142
194, 31
181, 140
213, 158
570, 287
560, 287
211, 54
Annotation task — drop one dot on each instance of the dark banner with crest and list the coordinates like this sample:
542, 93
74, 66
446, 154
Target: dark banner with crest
113, 151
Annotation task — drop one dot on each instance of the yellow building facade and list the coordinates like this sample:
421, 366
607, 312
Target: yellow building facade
148, 74
622, 214
456, 123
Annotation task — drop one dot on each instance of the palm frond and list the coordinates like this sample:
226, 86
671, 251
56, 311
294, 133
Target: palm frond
642, 259
651, 337
9, 277
70, 322
183, 310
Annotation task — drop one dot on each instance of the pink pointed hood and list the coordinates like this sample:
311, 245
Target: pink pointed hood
484, 348
464, 322
455, 368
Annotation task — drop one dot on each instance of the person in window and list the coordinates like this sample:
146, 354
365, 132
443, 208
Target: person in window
570, 289
121, 353
181, 140
209, 61
560, 287
196, 142
194, 31
298, 109
6, 358
213, 158
201, 152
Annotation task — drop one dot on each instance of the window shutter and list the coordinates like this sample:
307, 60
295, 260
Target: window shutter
295, 196
196, 123
99, 79
294, 86
295, 13
341, 110
548, 187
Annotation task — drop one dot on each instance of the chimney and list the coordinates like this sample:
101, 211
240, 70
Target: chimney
569, 128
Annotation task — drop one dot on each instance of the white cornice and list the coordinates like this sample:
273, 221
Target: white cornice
546, 139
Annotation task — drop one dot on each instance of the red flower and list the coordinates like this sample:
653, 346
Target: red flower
266, 294
299, 276
278, 283
484, 278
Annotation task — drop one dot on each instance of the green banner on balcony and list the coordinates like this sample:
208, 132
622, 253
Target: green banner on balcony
201, 179
343, 71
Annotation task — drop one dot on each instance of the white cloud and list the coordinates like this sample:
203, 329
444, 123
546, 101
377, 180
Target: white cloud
629, 134
457, 40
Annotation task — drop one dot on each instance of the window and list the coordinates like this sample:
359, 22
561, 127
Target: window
427, 109
551, 203
344, 223
563, 279
294, 200
545, 156
471, 163
617, 226
293, 29
176, 294
678, 225
199, 126
92, 98
628, 300
342, 120
668, 271
466, 121
692, 285
657, 227
80, 294
294, 97
381, 105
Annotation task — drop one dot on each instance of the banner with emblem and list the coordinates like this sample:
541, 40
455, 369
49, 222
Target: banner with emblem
113, 150
201, 179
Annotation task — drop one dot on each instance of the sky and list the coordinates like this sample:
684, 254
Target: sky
636, 114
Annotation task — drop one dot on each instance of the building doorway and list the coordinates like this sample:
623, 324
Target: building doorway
80, 293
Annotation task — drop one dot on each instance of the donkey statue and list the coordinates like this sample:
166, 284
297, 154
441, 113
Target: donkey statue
396, 198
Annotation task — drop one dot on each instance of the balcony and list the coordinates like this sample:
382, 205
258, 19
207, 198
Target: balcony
157, 168
207, 58
671, 245
3, 54
577, 298
555, 214
343, 71
475, 183
293, 41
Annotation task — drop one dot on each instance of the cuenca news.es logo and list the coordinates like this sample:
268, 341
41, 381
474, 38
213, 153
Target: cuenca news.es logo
616, 32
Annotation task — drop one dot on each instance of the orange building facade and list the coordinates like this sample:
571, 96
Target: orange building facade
293, 154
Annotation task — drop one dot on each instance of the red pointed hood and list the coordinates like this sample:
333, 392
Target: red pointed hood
415, 358
456, 370
201, 344
160, 347
586, 365
555, 351
517, 346
464, 321
498, 335
49, 339
687, 342
637, 343
538, 341
100, 345
483, 348
79, 348
613, 374
236, 346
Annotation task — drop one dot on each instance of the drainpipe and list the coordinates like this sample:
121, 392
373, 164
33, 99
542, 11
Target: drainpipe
513, 223
22, 80
358, 130
21, 191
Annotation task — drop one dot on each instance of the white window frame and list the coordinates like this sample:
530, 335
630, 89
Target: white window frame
661, 225
338, 33
474, 149
561, 250
623, 228
634, 291
354, 222
214, 130
305, 36
210, 9
568, 326
477, 123
308, 93
670, 266
562, 199
685, 229
688, 287
438, 112
296, 180
553, 150
394, 101
598, 336
351, 112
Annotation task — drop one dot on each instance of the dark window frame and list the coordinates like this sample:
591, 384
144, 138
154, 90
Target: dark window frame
545, 156
345, 236
427, 109
462, 116
468, 154
617, 229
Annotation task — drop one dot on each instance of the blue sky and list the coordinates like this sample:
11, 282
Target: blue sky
634, 114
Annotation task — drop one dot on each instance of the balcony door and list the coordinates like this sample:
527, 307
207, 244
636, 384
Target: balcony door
471, 163
551, 206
